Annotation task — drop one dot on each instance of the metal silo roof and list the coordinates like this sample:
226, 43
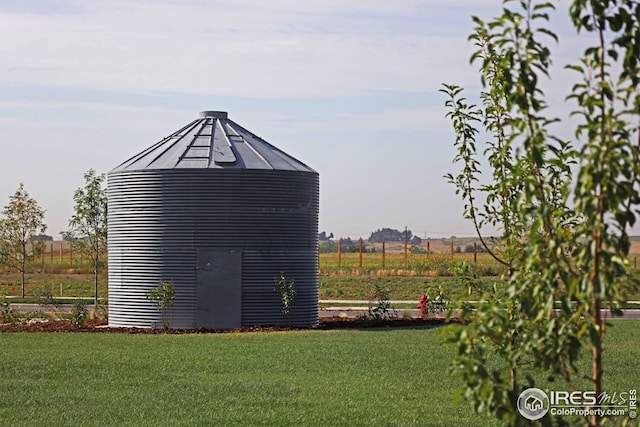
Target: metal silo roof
212, 142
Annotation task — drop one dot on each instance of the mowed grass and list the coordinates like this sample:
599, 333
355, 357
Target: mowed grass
321, 378
311, 378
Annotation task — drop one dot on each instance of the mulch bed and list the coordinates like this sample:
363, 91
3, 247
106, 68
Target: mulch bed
325, 323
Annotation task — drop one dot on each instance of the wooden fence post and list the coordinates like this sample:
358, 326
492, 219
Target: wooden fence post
475, 252
360, 263
428, 247
339, 253
61, 244
383, 254
70, 254
406, 259
451, 247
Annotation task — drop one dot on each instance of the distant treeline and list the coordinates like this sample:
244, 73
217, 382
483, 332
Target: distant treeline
347, 244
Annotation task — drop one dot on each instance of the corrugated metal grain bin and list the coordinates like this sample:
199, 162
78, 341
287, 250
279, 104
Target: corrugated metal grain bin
220, 213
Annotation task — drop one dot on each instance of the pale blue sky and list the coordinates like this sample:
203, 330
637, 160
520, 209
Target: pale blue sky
350, 87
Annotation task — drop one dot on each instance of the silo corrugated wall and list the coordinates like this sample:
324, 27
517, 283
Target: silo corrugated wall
162, 221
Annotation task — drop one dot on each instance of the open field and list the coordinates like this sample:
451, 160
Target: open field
443, 245
311, 378
432, 258
330, 287
66, 275
58, 285
429, 265
416, 264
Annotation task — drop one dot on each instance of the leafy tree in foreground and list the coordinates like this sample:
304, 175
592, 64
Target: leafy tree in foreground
22, 220
88, 225
563, 209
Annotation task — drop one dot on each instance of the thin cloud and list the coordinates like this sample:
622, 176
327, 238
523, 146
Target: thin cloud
335, 83
280, 50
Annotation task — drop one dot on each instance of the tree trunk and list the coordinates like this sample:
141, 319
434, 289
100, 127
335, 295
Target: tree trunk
22, 280
95, 277
23, 267
597, 358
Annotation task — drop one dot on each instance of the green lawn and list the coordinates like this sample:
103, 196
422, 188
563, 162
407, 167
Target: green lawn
322, 378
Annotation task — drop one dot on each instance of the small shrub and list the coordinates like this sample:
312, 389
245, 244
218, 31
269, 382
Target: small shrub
287, 290
45, 299
79, 313
383, 309
7, 313
417, 250
164, 296
488, 271
439, 303
101, 311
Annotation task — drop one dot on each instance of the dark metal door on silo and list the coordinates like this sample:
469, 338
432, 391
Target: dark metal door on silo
219, 303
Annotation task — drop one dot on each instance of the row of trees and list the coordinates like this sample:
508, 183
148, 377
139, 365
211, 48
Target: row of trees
392, 235
380, 235
22, 225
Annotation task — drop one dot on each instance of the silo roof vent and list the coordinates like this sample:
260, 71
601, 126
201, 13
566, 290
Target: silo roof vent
214, 114
212, 142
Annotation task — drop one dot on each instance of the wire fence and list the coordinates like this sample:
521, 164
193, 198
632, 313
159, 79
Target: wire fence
395, 264
394, 259
58, 257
